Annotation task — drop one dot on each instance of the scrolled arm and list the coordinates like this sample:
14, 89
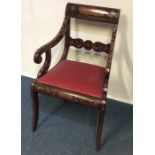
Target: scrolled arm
46, 49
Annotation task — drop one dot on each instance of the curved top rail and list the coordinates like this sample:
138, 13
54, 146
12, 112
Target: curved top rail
95, 13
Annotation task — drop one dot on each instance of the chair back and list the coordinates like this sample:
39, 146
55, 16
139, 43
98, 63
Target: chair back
98, 14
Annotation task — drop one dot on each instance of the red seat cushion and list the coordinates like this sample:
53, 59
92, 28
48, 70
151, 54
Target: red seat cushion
76, 77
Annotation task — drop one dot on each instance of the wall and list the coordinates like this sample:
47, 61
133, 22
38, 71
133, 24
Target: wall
41, 20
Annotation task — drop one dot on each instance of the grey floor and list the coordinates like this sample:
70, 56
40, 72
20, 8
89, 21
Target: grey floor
70, 129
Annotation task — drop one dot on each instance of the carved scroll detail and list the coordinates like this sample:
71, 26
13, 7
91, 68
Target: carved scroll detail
88, 44
46, 64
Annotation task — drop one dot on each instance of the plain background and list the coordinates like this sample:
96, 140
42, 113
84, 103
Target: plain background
41, 21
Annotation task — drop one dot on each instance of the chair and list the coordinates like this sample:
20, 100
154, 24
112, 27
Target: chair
79, 82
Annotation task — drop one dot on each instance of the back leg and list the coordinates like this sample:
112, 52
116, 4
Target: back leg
99, 130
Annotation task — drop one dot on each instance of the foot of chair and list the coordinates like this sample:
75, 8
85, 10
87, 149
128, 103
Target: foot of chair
99, 130
35, 109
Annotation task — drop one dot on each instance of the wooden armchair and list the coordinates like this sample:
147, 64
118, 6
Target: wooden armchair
79, 82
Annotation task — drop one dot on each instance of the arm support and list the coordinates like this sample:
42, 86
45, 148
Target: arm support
47, 47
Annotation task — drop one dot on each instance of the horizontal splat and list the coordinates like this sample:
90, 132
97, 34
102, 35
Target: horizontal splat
88, 45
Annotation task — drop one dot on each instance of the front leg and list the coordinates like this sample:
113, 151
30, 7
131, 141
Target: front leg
35, 108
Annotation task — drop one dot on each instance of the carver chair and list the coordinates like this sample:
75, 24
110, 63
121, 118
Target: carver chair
79, 82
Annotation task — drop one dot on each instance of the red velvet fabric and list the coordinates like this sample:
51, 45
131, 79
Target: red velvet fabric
76, 77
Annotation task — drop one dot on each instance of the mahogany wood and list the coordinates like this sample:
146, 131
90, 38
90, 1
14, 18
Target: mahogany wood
67, 36
93, 13
88, 44
99, 130
68, 95
47, 48
35, 108
85, 12
46, 64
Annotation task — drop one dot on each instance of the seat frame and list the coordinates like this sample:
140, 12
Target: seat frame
85, 12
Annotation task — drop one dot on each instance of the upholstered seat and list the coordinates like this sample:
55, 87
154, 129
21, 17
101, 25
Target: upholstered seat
77, 77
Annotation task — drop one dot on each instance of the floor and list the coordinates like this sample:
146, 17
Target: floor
70, 129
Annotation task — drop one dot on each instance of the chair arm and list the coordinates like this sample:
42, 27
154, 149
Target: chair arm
46, 49
52, 43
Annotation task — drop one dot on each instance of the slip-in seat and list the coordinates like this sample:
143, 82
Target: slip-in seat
77, 77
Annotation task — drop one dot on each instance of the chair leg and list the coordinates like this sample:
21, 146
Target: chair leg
99, 130
35, 109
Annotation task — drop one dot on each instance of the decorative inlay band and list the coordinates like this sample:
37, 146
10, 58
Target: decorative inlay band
67, 95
